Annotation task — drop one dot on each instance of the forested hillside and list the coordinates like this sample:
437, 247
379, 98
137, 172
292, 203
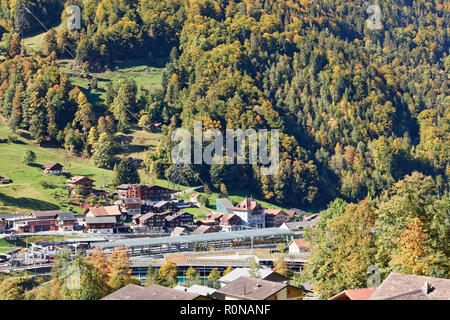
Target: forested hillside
358, 108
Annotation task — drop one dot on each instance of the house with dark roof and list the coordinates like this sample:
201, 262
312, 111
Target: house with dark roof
152, 292
178, 219
247, 288
144, 192
101, 224
275, 218
65, 221
53, 168
295, 214
204, 229
85, 183
132, 206
251, 213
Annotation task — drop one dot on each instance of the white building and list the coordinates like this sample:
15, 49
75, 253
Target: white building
252, 214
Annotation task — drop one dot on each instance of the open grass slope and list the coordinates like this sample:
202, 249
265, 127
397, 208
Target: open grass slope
147, 76
31, 188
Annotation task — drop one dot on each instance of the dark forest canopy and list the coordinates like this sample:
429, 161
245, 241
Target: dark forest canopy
358, 109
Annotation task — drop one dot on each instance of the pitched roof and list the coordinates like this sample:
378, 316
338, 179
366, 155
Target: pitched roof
300, 243
137, 216
198, 289
147, 216
247, 204
152, 292
66, 216
245, 272
225, 203
275, 211
294, 211
76, 179
176, 215
46, 214
204, 229
354, 294
105, 211
51, 165
98, 220
132, 201
399, 286
252, 288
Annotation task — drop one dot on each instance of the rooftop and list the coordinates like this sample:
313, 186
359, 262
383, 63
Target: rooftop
215, 236
252, 288
152, 292
399, 286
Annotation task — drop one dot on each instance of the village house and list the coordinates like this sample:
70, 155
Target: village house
179, 219
247, 288
179, 231
194, 198
153, 220
107, 211
295, 214
204, 229
224, 205
275, 218
80, 181
297, 246
5, 180
163, 206
132, 206
152, 292
37, 221
251, 213
230, 222
263, 273
101, 224
65, 221
400, 286
53, 168
144, 192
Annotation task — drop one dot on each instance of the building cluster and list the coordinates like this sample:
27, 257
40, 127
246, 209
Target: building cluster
239, 284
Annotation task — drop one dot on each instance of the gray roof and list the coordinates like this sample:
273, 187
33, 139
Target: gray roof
244, 272
398, 286
215, 236
198, 289
66, 216
102, 219
252, 288
152, 292
225, 202
132, 201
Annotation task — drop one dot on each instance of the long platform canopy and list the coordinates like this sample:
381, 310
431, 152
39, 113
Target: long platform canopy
208, 237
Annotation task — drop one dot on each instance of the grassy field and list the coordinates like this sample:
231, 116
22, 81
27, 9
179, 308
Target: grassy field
6, 246
146, 76
135, 142
31, 189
